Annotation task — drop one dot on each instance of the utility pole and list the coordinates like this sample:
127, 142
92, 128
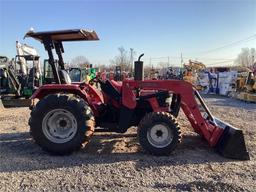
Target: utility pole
181, 60
168, 61
131, 59
181, 63
252, 60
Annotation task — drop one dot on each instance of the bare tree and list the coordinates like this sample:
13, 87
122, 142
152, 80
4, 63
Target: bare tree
147, 70
122, 59
132, 54
79, 61
102, 67
162, 65
246, 58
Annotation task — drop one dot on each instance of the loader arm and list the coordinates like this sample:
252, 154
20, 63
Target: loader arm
14, 81
211, 128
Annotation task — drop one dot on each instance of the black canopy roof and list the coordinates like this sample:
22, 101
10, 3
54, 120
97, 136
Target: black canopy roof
65, 35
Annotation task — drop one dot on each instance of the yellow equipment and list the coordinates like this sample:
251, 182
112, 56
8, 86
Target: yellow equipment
191, 72
246, 87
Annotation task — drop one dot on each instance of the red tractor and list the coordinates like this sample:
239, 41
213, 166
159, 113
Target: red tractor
67, 114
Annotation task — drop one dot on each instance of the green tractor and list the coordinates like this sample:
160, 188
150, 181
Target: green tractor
77, 74
82, 74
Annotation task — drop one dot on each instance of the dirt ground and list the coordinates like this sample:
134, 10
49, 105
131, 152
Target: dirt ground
115, 162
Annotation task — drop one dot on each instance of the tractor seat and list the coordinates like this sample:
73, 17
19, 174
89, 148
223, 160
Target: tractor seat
112, 89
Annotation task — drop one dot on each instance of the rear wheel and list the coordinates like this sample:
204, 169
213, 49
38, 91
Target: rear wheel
61, 123
158, 133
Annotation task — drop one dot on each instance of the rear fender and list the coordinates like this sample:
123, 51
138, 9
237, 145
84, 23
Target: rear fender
45, 90
87, 93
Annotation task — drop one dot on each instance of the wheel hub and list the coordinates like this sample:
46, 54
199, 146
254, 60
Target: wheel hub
159, 135
59, 125
63, 123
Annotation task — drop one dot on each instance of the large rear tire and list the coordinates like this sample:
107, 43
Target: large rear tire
159, 133
61, 123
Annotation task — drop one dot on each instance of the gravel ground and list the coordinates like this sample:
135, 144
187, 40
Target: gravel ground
115, 162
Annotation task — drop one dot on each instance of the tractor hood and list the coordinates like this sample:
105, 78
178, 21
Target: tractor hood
64, 35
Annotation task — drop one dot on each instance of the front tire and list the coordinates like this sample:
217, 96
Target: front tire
159, 133
61, 123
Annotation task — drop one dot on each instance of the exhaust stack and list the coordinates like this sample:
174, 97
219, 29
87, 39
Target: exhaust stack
138, 69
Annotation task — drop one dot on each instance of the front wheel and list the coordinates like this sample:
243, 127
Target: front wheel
61, 123
158, 133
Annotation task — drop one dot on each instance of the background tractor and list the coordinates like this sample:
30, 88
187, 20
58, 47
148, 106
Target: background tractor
246, 86
67, 114
20, 76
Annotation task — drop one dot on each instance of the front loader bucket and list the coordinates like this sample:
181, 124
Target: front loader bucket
231, 144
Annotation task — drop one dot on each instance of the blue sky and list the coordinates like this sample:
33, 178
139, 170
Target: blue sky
156, 28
